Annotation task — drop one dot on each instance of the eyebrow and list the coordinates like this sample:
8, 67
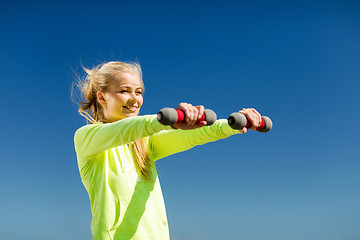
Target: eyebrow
129, 87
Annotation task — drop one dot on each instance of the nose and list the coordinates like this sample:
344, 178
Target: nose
132, 99
132, 95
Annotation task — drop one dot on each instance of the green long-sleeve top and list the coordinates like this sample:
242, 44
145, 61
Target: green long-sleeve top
124, 204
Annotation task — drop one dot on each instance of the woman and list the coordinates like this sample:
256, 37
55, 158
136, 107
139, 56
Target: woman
117, 152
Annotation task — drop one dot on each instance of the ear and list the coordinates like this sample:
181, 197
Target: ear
101, 98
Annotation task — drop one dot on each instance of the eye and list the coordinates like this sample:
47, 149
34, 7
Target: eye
123, 91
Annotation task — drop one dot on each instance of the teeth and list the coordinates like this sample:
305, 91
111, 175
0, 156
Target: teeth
132, 108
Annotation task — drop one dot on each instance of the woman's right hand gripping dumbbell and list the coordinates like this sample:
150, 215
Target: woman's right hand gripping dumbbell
194, 116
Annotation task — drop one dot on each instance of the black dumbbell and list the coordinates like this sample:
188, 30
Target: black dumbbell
170, 116
238, 121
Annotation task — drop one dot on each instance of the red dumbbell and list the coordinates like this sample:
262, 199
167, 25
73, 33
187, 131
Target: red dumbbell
238, 121
170, 116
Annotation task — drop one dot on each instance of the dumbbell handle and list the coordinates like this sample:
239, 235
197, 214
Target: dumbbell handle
170, 116
239, 121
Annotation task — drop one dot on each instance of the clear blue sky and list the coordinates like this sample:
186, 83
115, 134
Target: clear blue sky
297, 62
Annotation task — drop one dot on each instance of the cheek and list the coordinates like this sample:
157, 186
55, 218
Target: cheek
122, 99
141, 100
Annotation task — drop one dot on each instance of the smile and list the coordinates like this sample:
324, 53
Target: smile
131, 108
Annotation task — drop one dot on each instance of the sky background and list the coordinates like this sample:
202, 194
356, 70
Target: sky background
296, 62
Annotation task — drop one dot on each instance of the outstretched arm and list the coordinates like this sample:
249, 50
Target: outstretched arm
95, 138
166, 143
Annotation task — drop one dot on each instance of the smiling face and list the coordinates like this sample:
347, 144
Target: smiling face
123, 98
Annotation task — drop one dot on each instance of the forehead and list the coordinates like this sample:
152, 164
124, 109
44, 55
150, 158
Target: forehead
127, 79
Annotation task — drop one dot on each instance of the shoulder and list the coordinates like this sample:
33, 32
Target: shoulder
86, 128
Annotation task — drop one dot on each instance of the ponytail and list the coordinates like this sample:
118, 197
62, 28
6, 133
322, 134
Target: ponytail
142, 158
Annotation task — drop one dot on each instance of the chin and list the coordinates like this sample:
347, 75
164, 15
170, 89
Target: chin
132, 114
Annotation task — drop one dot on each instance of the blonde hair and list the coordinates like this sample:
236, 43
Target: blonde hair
100, 78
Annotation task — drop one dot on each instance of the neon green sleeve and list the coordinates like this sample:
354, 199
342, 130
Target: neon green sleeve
166, 143
95, 138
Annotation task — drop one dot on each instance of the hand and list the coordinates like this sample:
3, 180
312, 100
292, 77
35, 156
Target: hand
253, 116
192, 114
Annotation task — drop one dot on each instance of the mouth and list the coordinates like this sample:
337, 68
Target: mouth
131, 108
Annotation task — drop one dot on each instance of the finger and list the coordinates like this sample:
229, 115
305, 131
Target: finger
252, 117
187, 113
201, 124
243, 111
255, 111
185, 107
258, 115
194, 115
201, 110
249, 114
181, 106
191, 114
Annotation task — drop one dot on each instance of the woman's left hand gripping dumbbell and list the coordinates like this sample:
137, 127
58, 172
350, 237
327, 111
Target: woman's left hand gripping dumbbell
186, 116
253, 117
